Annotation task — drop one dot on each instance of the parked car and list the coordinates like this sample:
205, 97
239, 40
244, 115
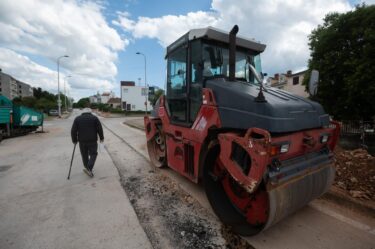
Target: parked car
53, 112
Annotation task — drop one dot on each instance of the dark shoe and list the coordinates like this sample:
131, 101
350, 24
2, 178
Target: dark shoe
88, 172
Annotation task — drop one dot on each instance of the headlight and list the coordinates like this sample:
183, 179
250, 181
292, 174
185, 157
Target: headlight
324, 138
284, 148
279, 148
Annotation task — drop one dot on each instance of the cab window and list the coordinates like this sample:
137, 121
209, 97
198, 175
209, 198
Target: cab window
176, 85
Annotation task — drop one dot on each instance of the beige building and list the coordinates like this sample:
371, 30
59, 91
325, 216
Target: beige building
114, 102
291, 82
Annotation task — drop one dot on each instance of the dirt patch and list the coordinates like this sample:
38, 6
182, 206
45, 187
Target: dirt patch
5, 167
103, 114
355, 173
172, 218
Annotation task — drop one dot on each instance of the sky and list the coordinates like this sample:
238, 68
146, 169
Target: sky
102, 37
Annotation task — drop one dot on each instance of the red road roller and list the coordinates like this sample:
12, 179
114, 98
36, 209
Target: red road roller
261, 153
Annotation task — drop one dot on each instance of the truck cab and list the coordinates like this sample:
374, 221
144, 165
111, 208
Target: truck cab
198, 56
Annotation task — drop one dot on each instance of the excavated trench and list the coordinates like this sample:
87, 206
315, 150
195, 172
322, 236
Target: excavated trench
170, 217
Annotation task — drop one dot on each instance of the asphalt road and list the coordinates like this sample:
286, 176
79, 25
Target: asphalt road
321, 224
39, 208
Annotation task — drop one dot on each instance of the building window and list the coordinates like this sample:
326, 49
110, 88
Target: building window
133, 107
295, 80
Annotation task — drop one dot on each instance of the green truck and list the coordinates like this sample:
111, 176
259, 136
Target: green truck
17, 120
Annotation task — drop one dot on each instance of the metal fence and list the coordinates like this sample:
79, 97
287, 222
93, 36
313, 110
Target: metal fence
349, 127
358, 134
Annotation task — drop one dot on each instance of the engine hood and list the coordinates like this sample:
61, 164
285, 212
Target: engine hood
283, 111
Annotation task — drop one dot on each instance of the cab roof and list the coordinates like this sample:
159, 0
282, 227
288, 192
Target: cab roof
211, 33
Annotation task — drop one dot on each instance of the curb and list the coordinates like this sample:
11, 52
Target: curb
141, 128
340, 197
335, 194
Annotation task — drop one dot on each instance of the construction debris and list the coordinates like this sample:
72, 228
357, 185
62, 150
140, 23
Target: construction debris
355, 173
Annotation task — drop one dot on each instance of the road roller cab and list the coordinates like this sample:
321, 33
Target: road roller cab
261, 153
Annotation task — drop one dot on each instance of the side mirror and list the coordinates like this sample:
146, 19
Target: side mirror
313, 83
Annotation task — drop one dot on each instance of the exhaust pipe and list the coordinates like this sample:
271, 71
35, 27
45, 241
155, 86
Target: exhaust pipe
232, 52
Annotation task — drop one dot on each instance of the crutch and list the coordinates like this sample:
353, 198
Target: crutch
71, 161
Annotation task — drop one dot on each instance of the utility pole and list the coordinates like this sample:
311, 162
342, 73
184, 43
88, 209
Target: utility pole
68, 76
58, 83
146, 90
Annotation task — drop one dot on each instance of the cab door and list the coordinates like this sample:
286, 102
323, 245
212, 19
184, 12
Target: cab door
177, 103
184, 93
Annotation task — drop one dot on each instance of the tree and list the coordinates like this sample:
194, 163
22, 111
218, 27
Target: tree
39, 93
25, 101
82, 103
45, 104
156, 96
342, 50
42, 100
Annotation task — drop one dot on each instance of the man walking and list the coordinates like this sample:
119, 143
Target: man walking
85, 130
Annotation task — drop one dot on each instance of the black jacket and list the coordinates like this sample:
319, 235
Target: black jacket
86, 129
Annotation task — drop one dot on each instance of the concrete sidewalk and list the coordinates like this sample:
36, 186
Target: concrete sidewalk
40, 208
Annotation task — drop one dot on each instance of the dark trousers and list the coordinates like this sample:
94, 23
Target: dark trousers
89, 152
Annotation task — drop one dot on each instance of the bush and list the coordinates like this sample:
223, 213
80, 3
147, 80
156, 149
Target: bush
129, 113
106, 108
94, 106
117, 110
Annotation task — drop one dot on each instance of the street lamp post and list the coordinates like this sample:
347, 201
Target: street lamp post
146, 90
68, 76
58, 83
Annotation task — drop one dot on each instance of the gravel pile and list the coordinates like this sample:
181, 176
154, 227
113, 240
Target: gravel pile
355, 173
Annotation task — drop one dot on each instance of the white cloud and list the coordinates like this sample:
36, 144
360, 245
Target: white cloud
24, 69
54, 28
166, 28
284, 25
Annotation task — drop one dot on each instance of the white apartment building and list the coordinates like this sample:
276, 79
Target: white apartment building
133, 97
